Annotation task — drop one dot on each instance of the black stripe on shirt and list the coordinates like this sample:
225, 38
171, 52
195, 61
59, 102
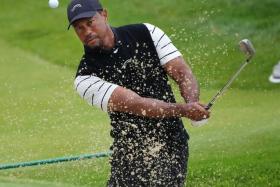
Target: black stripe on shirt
104, 96
166, 45
82, 81
89, 87
101, 86
154, 30
92, 99
160, 39
168, 54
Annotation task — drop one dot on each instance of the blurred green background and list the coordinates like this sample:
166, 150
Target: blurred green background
42, 116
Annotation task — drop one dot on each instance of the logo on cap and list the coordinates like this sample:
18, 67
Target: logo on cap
76, 6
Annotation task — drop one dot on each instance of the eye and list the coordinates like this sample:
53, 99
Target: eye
78, 28
91, 22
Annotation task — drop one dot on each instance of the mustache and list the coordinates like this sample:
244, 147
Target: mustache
89, 38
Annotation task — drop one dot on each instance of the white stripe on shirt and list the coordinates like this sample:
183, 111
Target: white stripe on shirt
94, 90
164, 46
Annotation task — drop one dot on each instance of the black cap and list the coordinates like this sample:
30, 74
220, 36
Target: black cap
78, 9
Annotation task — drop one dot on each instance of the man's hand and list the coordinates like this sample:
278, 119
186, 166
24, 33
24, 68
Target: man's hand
196, 111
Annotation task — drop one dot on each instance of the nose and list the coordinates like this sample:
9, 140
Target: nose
87, 31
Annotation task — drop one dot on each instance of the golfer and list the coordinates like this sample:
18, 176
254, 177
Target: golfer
124, 72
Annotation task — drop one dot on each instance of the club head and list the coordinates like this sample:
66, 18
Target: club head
247, 47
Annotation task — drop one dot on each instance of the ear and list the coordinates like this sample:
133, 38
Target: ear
104, 13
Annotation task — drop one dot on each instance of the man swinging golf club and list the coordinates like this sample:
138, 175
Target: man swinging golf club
124, 72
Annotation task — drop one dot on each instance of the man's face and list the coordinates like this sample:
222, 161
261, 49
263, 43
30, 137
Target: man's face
92, 31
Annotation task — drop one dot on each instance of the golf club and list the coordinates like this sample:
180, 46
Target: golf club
245, 46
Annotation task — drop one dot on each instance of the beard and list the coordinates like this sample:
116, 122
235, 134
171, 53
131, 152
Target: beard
92, 41
94, 44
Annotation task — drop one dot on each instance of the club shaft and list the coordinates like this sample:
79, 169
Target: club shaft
221, 91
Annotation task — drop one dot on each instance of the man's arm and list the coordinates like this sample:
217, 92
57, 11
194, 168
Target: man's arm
125, 100
181, 73
171, 59
114, 98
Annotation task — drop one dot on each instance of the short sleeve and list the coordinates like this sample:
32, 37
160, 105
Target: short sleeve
94, 90
164, 46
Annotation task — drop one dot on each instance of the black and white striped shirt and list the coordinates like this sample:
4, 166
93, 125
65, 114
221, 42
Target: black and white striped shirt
96, 91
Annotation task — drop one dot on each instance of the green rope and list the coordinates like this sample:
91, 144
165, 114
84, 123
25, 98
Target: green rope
54, 160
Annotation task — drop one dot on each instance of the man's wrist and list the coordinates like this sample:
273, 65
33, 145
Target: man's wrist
193, 100
179, 110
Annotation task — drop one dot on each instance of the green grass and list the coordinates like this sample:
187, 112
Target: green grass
42, 117
207, 33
